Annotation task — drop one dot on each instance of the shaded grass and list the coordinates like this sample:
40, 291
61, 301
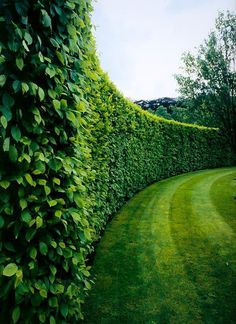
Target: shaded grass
169, 255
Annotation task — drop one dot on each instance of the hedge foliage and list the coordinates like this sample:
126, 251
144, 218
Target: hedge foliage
73, 150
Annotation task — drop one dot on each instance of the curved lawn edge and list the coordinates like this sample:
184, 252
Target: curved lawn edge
148, 268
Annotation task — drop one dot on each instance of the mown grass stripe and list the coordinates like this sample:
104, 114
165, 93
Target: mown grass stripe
206, 244
156, 264
224, 188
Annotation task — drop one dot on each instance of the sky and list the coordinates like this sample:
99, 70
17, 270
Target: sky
140, 42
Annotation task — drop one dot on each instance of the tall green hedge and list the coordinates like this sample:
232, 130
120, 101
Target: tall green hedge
134, 148
72, 150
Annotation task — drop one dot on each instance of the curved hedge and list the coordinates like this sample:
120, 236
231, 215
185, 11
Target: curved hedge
134, 148
72, 149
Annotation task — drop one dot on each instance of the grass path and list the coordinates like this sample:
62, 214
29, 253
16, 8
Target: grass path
169, 255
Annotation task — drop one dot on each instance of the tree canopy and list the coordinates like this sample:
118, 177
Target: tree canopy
208, 81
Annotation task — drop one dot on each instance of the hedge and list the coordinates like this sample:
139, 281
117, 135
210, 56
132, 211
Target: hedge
73, 150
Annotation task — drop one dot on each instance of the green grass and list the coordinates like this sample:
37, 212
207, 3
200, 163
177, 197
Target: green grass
169, 255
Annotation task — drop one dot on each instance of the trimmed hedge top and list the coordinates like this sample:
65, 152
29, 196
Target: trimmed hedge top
73, 150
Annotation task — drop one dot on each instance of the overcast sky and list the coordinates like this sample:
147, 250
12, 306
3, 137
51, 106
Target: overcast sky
140, 42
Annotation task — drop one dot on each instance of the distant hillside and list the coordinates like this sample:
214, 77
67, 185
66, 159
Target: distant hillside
169, 108
154, 104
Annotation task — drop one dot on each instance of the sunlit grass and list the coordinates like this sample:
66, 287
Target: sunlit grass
169, 256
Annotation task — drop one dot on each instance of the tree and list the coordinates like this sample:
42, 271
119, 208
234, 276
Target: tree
208, 82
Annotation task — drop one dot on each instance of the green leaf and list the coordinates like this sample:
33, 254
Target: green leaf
13, 154
62, 245
64, 310
40, 167
31, 223
87, 284
20, 63
38, 118
16, 133
3, 121
21, 8
6, 144
41, 94
64, 103
26, 157
46, 20
33, 253
28, 38
30, 180
56, 104
78, 200
42, 182
19, 277
76, 217
9, 247
53, 244
57, 181
60, 57
10, 270
16, 314
13, 45
43, 248
59, 288
50, 71
19, 273
39, 222
4, 184
24, 87
16, 85
43, 293
54, 43
52, 93
72, 30
2, 59
52, 203
2, 222
6, 111
53, 269
53, 302
25, 216
87, 234
2, 80
52, 320
58, 213
23, 203
30, 234
25, 46
42, 318
7, 100
47, 190
33, 88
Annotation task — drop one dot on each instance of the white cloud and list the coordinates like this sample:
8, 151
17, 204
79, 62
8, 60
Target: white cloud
141, 42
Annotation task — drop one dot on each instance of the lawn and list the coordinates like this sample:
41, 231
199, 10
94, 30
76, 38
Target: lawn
169, 255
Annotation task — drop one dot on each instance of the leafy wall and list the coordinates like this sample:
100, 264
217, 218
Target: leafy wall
73, 150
